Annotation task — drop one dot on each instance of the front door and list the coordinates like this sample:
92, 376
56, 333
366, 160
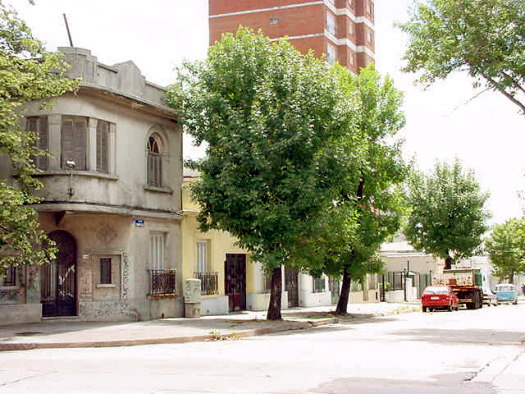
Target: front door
291, 285
235, 281
58, 279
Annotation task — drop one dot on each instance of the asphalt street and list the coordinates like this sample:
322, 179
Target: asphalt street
479, 351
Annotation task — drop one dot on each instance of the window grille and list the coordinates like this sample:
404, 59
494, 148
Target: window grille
209, 282
10, 276
162, 282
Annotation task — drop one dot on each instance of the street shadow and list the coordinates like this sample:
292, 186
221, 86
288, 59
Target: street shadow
463, 336
456, 383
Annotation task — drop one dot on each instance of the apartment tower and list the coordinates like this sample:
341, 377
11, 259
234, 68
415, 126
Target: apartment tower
343, 30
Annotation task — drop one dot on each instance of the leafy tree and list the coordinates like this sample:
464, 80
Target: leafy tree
506, 248
269, 115
486, 38
28, 73
369, 205
447, 217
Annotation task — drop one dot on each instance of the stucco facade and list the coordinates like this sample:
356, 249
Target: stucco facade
111, 198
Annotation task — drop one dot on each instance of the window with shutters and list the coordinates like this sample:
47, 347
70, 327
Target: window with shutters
102, 146
154, 175
39, 125
157, 250
74, 142
202, 255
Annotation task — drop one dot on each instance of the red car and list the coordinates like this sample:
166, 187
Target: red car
439, 297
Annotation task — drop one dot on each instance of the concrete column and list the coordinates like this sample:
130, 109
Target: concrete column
54, 126
92, 145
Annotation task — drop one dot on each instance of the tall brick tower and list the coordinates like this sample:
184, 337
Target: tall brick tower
341, 29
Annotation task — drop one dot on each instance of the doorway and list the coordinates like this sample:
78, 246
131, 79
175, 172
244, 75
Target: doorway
58, 279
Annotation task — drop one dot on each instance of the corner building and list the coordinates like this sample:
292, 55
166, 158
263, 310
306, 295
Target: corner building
343, 30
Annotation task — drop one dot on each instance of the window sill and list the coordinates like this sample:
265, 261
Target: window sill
161, 296
89, 174
106, 286
156, 189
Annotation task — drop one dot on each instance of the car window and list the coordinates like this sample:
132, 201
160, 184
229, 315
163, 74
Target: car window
436, 290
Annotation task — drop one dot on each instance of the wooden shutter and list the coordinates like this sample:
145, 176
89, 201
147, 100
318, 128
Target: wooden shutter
39, 125
43, 142
102, 146
74, 138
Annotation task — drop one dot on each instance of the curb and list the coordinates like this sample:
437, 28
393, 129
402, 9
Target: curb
169, 340
197, 338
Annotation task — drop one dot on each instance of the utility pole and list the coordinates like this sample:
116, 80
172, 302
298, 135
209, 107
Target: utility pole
68, 32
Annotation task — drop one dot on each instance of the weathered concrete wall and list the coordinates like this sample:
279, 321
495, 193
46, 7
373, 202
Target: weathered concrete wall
21, 313
214, 306
125, 185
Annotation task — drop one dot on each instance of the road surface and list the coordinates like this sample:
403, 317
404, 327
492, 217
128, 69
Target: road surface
469, 351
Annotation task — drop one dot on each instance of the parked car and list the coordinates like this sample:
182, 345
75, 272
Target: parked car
439, 297
489, 298
507, 292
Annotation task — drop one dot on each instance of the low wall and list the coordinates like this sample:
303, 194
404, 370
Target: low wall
20, 313
261, 301
315, 299
399, 295
214, 306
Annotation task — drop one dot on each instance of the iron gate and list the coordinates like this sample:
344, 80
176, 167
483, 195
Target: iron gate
58, 279
291, 285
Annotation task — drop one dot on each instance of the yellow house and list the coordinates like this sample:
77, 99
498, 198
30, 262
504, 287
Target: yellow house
230, 280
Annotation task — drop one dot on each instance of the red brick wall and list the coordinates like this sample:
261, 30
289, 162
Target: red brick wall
290, 22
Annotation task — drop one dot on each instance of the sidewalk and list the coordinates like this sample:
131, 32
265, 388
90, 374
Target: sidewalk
69, 333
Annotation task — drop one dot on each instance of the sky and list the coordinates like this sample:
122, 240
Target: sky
443, 122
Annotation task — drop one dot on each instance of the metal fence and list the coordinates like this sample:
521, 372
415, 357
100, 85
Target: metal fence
209, 282
162, 282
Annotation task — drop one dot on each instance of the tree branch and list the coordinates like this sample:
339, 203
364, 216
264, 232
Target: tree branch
505, 93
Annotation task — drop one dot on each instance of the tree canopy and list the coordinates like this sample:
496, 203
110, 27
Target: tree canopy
486, 38
370, 201
270, 116
28, 73
447, 217
506, 248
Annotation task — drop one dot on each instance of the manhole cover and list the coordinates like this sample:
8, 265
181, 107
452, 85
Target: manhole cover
28, 333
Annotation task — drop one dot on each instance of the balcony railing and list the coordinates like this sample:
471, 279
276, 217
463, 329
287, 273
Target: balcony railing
162, 282
209, 282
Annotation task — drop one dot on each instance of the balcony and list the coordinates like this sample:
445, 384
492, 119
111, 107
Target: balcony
209, 282
162, 282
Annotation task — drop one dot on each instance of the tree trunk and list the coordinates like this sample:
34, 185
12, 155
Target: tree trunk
448, 263
511, 278
342, 304
274, 309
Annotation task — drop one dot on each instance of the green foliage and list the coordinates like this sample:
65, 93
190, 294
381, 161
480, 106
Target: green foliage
269, 115
486, 38
27, 73
506, 248
370, 201
447, 217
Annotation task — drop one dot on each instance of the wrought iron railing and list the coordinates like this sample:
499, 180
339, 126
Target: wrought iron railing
162, 282
209, 282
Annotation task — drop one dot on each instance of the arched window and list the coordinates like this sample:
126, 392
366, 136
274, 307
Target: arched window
154, 162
